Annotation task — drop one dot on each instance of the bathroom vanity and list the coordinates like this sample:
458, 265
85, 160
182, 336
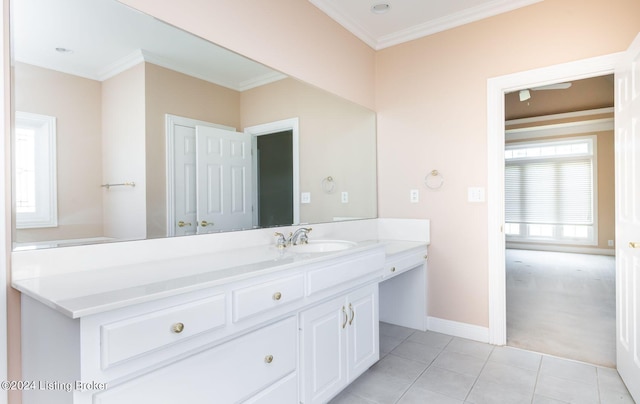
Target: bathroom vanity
257, 325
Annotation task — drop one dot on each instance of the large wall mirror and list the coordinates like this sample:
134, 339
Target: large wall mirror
127, 128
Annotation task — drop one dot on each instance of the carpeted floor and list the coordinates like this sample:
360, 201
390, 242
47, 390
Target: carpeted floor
562, 304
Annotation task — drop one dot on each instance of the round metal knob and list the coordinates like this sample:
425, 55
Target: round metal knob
393, 269
277, 296
177, 328
268, 358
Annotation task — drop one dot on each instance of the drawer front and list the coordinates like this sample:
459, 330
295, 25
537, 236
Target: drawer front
259, 298
285, 391
128, 338
229, 373
334, 275
398, 265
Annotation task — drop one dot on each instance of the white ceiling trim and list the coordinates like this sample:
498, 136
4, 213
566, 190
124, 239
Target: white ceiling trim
560, 129
134, 58
430, 27
451, 21
260, 81
140, 55
349, 23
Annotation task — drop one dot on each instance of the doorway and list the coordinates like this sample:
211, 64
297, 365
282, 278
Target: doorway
275, 179
496, 89
559, 220
278, 142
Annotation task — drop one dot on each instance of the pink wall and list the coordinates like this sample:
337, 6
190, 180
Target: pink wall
288, 35
430, 95
431, 101
78, 134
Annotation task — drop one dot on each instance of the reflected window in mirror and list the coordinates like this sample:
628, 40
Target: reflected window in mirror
35, 171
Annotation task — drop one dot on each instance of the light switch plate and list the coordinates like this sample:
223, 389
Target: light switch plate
345, 197
305, 197
476, 194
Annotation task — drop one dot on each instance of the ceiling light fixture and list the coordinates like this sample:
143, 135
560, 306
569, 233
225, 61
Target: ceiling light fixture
524, 95
380, 8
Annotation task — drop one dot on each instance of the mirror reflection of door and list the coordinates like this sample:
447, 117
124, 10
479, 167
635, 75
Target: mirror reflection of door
275, 178
209, 177
184, 186
182, 177
223, 180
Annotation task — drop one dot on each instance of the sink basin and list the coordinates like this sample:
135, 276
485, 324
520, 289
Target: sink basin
318, 246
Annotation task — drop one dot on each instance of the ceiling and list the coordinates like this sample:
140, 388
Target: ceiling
583, 95
406, 20
106, 37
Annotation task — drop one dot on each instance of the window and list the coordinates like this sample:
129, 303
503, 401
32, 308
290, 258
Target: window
549, 191
35, 171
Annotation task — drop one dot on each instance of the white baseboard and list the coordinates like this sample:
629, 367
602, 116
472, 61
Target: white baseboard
456, 329
560, 248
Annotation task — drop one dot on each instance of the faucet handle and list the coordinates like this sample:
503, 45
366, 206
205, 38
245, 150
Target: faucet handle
303, 239
281, 241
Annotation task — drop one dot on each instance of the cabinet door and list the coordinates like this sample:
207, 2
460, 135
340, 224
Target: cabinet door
362, 327
323, 344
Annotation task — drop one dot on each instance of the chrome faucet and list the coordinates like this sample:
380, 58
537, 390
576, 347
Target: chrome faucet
281, 241
300, 236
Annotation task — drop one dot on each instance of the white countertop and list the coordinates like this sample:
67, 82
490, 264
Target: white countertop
83, 293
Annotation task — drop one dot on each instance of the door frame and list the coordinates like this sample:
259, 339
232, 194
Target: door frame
170, 122
291, 124
496, 88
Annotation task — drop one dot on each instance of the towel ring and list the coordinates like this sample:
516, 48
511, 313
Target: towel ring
328, 184
434, 180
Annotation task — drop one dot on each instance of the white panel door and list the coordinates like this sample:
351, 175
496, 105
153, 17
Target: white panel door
627, 116
184, 180
323, 351
223, 173
363, 340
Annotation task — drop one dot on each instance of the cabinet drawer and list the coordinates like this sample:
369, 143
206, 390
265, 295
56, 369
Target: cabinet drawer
284, 391
328, 277
229, 373
398, 265
266, 296
125, 339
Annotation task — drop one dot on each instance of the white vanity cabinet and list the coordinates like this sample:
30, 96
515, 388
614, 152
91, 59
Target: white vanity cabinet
235, 340
338, 341
229, 373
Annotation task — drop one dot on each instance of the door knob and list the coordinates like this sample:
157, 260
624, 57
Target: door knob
204, 223
634, 244
182, 224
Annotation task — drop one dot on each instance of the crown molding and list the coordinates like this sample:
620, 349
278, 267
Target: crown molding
260, 81
140, 55
431, 27
444, 23
134, 58
350, 24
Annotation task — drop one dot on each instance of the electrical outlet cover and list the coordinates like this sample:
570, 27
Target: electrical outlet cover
414, 196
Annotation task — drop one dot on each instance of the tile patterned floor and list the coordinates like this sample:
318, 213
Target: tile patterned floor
427, 367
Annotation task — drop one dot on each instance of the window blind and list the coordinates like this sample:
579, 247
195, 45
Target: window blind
558, 191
